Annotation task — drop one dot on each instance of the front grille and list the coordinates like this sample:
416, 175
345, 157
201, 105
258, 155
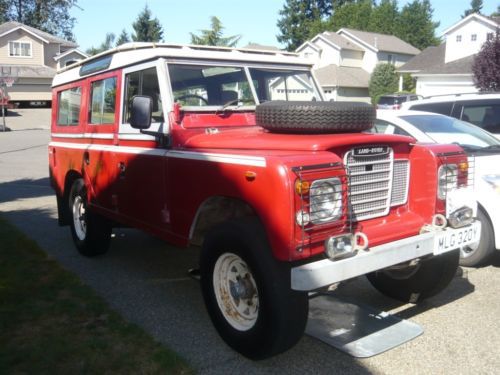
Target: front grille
376, 183
400, 182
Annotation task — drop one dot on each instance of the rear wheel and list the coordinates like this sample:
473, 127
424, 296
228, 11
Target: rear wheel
479, 254
247, 292
416, 283
91, 232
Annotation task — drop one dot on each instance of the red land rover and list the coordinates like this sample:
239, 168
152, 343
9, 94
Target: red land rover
235, 150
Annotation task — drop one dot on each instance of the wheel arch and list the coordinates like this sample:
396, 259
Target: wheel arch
496, 235
64, 215
215, 210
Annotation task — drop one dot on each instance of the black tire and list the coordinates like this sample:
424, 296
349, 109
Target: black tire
91, 232
280, 319
315, 117
474, 257
417, 283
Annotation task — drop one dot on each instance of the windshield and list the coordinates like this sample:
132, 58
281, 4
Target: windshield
219, 86
443, 129
289, 85
203, 86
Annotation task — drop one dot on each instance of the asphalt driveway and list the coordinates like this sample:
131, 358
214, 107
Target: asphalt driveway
146, 280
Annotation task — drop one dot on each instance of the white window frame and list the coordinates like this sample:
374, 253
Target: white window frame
473, 37
125, 130
20, 49
458, 38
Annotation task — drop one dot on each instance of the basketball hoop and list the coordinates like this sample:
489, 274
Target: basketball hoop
7, 81
8, 76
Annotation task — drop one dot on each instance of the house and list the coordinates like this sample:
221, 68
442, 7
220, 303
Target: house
345, 60
447, 68
31, 57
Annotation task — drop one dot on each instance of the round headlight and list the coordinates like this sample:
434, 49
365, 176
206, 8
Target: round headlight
325, 200
447, 179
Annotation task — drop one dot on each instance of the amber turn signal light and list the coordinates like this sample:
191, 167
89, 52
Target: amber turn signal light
302, 187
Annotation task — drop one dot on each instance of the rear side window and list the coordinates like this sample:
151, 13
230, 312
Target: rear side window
102, 106
69, 107
442, 108
143, 82
486, 116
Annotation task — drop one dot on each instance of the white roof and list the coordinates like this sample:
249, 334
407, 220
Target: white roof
135, 53
477, 16
451, 98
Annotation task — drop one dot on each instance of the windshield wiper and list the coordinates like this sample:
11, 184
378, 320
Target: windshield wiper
493, 148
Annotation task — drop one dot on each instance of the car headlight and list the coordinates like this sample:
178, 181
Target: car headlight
325, 198
493, 180
447, 179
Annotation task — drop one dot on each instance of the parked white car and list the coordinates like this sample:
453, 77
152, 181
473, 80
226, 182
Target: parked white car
484, 152
481, 109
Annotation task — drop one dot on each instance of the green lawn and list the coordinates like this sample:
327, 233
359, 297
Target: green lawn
51, 323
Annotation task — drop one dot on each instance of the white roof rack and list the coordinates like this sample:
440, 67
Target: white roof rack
131, 53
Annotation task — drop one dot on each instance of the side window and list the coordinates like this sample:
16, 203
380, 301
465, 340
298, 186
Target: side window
485, 116
68, 112
102, 104
143, 82
442, 108
381, 126
399, 131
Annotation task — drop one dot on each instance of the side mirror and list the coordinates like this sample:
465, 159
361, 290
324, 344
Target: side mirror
140, 114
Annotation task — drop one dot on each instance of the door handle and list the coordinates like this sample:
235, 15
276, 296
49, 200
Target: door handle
122, 168
86, 158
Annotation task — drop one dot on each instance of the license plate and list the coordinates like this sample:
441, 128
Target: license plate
451, 239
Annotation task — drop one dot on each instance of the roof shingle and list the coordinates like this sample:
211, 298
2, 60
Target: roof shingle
383, 42
12, 25
340, 41
342, 76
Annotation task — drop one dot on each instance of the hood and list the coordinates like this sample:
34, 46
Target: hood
256, 138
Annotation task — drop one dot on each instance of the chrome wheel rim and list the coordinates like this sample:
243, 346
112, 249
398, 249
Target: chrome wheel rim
467, 251
79, 218
236, 291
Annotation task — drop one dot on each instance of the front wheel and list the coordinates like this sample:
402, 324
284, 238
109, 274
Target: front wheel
479, 254
416, 283
247, 292
91, 232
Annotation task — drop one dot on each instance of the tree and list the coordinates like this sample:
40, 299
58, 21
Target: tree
415, 25
353, 15
384, 17
384, 80
497, 12
122, 38
147, 29
51, 16
298, 17
475, 7
486, 65
213, 36
107, 44
3, 11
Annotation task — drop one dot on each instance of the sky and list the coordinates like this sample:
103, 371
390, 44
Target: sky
254, 20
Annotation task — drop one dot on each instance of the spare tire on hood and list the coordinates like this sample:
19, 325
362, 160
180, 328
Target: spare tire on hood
315, 117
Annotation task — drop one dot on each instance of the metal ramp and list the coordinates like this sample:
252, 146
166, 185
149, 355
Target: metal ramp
359, 331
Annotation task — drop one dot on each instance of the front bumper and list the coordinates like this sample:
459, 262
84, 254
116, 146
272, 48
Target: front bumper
325, 272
